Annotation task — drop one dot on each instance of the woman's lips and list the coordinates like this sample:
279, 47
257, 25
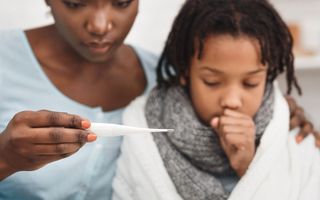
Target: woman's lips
98, 48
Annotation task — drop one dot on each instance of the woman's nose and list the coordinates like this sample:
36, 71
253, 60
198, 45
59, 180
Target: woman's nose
99, 24
231, 99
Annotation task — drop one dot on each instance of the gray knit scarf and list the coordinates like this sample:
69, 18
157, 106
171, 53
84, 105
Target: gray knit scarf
192, 153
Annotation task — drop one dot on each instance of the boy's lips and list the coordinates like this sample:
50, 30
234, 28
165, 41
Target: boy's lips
216, 115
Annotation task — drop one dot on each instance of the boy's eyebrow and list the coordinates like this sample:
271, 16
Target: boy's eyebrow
257, 71
213, 70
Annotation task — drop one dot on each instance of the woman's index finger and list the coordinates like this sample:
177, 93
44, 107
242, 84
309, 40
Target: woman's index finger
45, 118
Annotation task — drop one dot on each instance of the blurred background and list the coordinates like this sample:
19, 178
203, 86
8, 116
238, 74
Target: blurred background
154, 22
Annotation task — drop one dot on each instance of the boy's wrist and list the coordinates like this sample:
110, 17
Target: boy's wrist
241, 169
241, 172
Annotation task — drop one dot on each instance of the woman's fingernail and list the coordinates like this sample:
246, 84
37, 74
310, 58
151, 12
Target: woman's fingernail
318, 143
299, 139
91, 137
85, 124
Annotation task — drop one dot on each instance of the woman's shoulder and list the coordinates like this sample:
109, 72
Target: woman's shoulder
10, 32
147, 57
10, 37
12, 44
149, 61
12, 48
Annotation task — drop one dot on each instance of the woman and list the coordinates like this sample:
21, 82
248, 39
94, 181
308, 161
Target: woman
79, 65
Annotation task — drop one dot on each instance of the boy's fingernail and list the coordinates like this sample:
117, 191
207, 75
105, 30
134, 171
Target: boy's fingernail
91, 137
214, 122
85, 124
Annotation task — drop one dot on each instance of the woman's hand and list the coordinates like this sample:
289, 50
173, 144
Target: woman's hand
34, 139
298, 120
237, 136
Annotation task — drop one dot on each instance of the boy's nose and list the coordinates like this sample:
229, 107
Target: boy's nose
99, 24
231, 99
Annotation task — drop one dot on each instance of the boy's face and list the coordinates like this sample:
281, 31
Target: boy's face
229, 75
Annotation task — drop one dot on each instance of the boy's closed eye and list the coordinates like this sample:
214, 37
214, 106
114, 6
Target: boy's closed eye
251, 84
212, 83
253, 81
246, 84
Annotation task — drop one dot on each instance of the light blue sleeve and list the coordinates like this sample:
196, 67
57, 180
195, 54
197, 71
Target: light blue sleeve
24, 86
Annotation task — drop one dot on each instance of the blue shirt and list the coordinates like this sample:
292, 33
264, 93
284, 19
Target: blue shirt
87, 174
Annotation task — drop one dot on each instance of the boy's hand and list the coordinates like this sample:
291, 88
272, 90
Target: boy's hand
237, 136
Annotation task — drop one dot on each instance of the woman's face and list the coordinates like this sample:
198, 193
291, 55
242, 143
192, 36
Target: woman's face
229, 75
94, 28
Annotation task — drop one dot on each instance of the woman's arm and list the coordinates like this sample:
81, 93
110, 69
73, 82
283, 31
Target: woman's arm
298, 119
5, 169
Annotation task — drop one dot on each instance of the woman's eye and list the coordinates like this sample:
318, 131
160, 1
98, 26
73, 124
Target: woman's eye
73, 5
123, 4
250, 85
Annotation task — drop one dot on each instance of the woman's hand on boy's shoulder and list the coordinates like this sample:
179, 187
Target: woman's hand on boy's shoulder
237, 137
317, 136
299, 120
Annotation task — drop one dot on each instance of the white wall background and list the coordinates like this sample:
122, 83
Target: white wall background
23, 13
150, 29
155, 18
306, 14
154, 21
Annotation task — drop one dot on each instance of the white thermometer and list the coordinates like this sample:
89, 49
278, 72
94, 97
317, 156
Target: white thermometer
112, 130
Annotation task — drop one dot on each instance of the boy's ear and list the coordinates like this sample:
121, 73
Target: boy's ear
183, 80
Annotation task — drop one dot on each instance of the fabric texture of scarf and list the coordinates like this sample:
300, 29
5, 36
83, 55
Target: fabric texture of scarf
192, 153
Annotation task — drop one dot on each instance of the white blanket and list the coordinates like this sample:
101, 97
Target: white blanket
281, 169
